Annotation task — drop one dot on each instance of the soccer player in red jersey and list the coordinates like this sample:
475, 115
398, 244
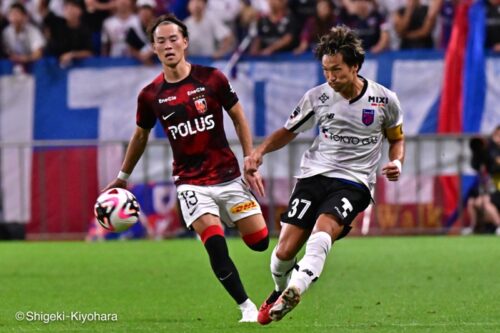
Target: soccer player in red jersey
188, 101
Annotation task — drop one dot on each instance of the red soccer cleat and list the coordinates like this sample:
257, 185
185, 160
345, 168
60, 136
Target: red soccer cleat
263, 317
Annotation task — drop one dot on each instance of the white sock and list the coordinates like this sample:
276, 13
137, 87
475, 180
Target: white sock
281, 270
247, 304
311, 265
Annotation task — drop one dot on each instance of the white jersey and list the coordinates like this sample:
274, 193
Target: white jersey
349, 141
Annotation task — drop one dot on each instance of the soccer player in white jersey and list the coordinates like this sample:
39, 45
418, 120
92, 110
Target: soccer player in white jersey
338, 171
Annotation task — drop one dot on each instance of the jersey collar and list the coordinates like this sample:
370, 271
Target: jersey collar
363, 90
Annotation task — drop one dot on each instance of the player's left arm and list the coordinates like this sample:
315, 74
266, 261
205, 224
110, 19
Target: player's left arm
395, 136
242, 129
244, 135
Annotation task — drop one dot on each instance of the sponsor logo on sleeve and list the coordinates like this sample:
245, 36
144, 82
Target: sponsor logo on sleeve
295, 112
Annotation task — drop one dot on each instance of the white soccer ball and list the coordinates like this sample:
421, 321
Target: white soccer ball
116, 209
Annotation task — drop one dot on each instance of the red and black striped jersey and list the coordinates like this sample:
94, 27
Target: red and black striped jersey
190, 112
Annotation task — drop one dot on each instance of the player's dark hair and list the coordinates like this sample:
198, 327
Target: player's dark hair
342, 40
167, 19
20, 7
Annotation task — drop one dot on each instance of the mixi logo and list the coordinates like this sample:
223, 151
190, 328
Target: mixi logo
378, 101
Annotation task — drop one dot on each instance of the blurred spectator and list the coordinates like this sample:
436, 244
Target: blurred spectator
493, 165
302, 10
67, 38
29, 5
365, 19
484, 203
225, 10
3, 24
97, 12
261, 6
208, 36
22, 40
137, 37
275, 31
115, 28
415, 22
317, 25
250, 12
247, 17
493, 25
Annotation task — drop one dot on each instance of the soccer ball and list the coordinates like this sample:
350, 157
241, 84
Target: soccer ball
116, 209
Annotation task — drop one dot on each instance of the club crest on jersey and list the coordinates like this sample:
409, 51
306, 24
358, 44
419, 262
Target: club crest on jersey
201, 105
368, 116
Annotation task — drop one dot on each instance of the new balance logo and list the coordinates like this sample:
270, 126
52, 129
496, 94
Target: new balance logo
308, 272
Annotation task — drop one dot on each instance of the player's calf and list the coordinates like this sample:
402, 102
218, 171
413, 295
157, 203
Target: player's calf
222, 265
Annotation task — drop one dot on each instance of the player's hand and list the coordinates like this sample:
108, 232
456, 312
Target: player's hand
116, 183
252, 176
391, 171
252, 162
254, 180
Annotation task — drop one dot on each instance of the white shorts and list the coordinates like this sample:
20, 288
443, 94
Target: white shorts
231, 201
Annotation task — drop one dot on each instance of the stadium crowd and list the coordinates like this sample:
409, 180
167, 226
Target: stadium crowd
75, 29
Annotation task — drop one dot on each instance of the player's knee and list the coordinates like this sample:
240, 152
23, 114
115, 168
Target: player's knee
211, 231
344, 232
258, 241
285, 253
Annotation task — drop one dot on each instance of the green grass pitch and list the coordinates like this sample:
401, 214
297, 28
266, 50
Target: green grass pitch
410, 284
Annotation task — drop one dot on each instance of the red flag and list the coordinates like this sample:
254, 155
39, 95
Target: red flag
450, 111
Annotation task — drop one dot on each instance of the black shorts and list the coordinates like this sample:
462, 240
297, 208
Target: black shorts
318, 195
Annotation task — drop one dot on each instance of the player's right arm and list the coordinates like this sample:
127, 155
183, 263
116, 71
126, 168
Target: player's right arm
301, 119
275, 141
145, 120
135, 149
